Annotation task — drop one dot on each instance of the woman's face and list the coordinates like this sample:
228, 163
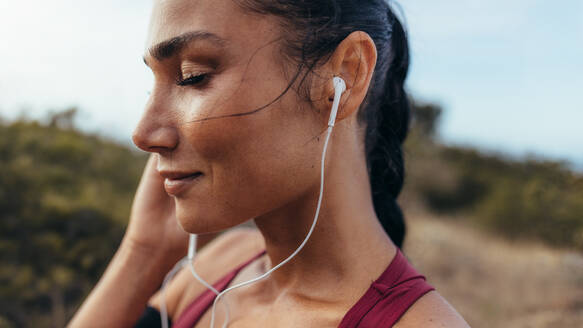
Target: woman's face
212, 61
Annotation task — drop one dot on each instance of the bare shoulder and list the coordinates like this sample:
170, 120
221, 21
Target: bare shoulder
431, 310
214, 260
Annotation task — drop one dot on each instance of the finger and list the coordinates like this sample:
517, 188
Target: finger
151, 186
151, 169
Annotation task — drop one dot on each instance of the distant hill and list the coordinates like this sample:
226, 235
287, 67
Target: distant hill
532, 198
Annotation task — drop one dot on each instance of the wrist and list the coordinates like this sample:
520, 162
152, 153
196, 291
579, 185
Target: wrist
155, 261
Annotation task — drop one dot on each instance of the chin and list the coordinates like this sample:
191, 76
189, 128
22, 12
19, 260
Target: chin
193, 221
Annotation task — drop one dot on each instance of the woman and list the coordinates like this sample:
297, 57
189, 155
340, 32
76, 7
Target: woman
236, 123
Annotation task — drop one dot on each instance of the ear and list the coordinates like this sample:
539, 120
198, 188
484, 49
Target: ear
354, 60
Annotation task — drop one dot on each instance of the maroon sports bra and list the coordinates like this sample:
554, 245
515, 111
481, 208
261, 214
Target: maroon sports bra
383, 304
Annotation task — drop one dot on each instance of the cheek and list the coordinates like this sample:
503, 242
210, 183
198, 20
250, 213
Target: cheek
256, 163
264, 173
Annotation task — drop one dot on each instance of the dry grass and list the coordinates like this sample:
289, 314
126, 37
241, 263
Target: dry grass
493, 282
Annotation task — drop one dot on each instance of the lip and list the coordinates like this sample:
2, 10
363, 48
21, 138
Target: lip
177, 182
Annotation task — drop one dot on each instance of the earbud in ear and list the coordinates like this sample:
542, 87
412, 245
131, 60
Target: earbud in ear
339, 88
339, 84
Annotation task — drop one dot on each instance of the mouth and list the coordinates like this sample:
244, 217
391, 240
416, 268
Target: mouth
176, 183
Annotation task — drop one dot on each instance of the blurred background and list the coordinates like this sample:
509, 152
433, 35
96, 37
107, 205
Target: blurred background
494, 188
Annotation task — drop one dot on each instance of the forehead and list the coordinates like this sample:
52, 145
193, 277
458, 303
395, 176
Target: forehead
224, 18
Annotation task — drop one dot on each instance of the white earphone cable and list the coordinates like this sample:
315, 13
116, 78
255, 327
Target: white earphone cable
265, 275
188, 260
208, 286
163, 311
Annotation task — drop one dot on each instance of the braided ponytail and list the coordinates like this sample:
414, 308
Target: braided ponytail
386, 134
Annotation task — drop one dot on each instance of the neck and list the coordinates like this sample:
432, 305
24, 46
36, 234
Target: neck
348, 244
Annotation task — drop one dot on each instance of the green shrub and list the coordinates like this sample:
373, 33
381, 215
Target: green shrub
64, 201
527, 198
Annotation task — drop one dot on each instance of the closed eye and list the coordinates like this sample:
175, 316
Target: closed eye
194, 80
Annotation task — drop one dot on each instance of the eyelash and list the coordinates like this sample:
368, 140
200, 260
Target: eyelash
193, 80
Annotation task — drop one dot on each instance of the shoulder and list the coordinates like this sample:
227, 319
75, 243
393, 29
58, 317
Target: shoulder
431, 310
212, 262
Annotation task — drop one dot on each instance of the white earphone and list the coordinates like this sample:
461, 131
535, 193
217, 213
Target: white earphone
339, 88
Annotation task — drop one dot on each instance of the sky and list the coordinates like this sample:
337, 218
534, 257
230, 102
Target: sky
508, 74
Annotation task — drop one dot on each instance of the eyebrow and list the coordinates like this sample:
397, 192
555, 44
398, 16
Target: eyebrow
175, 45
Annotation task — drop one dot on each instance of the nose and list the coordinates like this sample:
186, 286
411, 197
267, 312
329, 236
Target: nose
155, 131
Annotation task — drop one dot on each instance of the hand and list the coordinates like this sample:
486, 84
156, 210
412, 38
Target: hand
153, 225
153, 243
